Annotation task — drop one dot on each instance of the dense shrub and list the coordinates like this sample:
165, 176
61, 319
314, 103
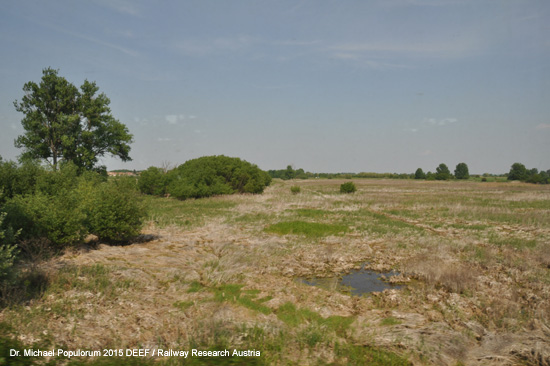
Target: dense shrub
216, 175
115, 211
16, 179
62, 207
348, 187
295, 189
57, 218
8, 252
153, 181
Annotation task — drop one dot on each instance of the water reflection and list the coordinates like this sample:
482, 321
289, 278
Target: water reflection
357, 282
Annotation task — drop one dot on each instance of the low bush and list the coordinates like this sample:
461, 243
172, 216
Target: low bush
295, 189
115, 212
348, 187
8, 252
153, 181
58, 218
63, 207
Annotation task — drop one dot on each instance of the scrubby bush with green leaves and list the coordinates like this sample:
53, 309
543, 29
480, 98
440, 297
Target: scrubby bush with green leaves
115, 211
62, 207
8, 252
15, 179
348, 187
216, 175
295, 189
153, 181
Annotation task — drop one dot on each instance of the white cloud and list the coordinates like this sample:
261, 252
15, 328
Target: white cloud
164, 139
425, 153
439, 122
172, 119
413, 130
543, 126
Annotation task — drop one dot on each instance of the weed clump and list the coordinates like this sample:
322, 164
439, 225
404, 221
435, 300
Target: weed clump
309, 229
295, 189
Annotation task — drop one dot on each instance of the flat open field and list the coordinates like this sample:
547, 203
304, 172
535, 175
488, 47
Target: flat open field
221, 272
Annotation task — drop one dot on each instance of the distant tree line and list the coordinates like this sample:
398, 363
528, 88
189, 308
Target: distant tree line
290, 173
442, 172
519, 172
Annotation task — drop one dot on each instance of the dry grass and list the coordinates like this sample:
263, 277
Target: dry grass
478, 252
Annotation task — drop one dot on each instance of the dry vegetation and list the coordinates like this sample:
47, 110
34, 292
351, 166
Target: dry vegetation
219, 272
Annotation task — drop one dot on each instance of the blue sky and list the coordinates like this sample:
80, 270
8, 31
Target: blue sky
328, 86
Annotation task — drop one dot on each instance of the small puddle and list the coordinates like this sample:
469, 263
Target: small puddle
357, 282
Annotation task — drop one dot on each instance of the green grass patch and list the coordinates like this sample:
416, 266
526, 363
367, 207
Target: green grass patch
367, 355
195, 286
182, 305
309, 229
193, 212
233, 293
311, 213
294, 317
514, 242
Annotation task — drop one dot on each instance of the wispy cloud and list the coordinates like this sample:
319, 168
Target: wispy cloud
439, 122
427, 49
543, 126
90, 39
425, 153
122, 6
202, 47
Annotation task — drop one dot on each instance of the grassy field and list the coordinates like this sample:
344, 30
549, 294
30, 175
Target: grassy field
221, 273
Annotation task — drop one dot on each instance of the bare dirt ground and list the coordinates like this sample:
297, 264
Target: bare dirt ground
475, 258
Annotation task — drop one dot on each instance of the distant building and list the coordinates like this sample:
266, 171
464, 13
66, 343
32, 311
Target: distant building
121, 174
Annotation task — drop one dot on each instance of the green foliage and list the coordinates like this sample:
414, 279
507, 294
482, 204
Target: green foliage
57, 218
216, 175
8, 252
348, 187
419, 174
461, 171
295, 189
310, 229
16, 179
442, 172
153, 181
517, 172
65, 124
62, 207
115, 212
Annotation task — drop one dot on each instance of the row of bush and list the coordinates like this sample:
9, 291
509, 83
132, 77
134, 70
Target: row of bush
204, 177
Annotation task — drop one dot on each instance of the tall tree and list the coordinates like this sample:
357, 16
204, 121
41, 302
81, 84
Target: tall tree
442, 172
461, 171
419, 174
517, 172
65, 124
